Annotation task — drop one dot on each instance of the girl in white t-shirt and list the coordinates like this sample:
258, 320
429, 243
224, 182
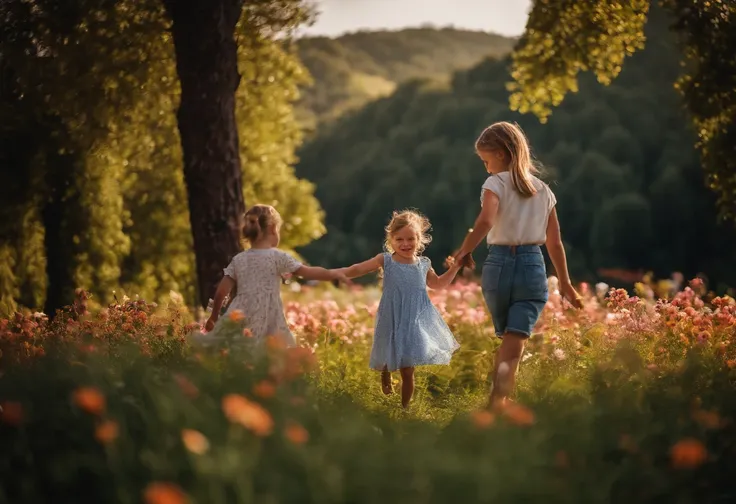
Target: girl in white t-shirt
517, 216
256, 275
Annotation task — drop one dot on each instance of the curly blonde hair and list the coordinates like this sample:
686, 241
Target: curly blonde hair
400, 220
258, 219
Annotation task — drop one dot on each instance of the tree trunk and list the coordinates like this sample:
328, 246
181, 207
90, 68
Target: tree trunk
207, 65
58, 213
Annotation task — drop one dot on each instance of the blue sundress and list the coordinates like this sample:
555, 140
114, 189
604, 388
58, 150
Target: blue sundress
409, 331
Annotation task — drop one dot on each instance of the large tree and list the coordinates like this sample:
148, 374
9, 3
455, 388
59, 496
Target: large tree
566, 37
94, 196
207, 65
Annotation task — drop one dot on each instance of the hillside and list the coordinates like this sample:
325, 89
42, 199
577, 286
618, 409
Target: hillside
353, 69
620, 159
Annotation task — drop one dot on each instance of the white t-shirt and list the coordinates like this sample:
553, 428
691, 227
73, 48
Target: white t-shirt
520, 220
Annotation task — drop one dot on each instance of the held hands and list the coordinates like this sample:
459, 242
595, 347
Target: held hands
339, 276
452, 265
460, 260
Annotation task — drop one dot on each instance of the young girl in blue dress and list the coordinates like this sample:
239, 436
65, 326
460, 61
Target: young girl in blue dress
409, 330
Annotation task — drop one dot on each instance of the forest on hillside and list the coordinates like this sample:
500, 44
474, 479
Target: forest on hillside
351, 70
620, 158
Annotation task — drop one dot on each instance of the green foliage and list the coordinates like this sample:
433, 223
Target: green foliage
142, 407
604, 146
96, 133
563, 38
353, 69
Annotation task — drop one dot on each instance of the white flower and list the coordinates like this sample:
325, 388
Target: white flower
559, 354
176, 298
601, 288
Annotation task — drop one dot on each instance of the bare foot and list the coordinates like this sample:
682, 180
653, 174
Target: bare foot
386, 384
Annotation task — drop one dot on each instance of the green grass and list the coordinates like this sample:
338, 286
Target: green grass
606, 425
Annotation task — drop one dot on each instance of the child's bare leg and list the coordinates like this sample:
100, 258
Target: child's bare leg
386, 385
407, 385
507, 363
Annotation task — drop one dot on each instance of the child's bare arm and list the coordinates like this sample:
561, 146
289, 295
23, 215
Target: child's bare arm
223, 289
319, 273
435, 281
556, 251
363, 268
483, 224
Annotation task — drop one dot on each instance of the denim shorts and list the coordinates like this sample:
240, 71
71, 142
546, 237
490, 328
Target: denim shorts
514, 286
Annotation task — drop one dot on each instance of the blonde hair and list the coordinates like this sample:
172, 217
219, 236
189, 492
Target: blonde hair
510, 139
258, 219
400, 220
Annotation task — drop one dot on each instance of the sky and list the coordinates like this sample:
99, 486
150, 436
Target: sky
505, 17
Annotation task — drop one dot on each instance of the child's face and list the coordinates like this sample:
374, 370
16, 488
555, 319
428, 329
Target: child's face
405, 242
494, 161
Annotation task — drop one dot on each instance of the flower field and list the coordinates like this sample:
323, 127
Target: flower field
631, 399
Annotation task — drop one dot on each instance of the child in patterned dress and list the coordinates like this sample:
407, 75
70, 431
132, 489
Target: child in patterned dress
256, 274
409, 331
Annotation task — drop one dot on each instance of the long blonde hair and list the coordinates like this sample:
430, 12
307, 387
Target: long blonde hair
510, 139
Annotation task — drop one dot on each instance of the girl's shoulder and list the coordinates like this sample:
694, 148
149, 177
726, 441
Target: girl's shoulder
258, 254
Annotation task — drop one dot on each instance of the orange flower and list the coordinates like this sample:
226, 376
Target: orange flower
299, 360
107, 432
688, 453
11, 413
708, 419
518, 414
482, 419
164, 493
250, 415
275, 343
731, 363
195, 441
247, 333
265, 389
186, 386
296, 433
89, 399
236, 316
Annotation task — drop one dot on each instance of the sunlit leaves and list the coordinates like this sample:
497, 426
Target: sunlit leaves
565, 37
104, 70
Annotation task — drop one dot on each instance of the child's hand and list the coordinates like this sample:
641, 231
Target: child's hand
452, 264
339, 275
468, 262
464, 261
569, 293
210, 324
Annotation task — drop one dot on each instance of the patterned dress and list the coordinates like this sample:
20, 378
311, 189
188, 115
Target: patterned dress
409, 330
258, 273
